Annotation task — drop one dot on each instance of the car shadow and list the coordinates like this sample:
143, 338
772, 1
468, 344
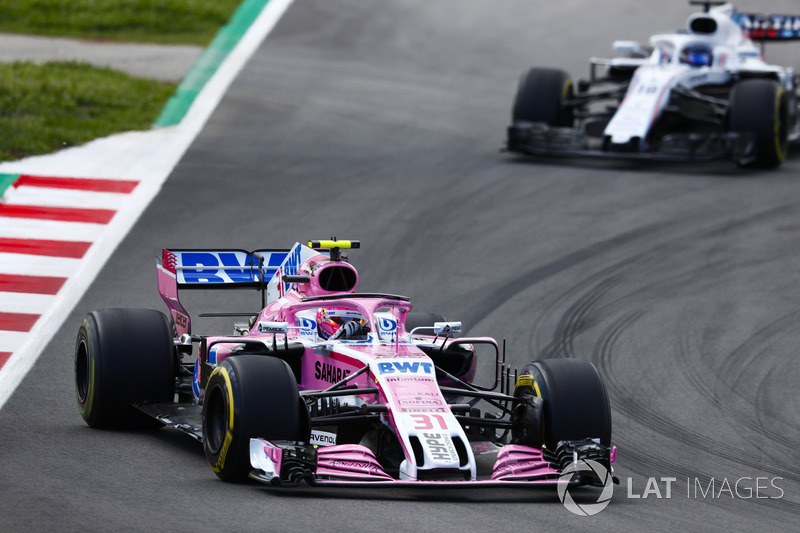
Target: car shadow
439, 494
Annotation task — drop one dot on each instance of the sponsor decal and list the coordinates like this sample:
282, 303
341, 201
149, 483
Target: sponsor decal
417, 379
273, 327
419, 401
446, 328
181, 320
308, 328
211, 273
698, 79
329, 373
405, 367
776, 26
440, 446
387, 328
224, 267
322, 438
354, 465
289, 268
480, 448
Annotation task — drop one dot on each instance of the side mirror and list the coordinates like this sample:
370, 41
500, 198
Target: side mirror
631, 47
273, 327
446, 328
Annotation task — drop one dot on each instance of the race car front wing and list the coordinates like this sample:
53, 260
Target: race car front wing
285, 463
537, 138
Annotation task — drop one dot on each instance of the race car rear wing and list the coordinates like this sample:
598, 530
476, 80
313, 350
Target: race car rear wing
264, 270
769, 28
213, 269
222, 269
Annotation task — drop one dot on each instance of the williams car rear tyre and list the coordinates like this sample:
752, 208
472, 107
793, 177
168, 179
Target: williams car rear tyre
541, 97
574, 402
761, 107
122, 356
249, 396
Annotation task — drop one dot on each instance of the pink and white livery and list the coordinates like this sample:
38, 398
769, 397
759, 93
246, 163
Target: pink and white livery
334, 387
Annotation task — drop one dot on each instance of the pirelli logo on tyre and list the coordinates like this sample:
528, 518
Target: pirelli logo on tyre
525, 380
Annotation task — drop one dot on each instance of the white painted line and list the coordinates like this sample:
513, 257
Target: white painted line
148, 157
11, 341
19, 302
38, 265
29, 228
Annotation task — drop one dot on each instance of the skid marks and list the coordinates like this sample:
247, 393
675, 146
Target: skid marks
714, 402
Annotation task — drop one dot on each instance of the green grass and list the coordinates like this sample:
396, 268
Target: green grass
47, 107
44, 108
153, 21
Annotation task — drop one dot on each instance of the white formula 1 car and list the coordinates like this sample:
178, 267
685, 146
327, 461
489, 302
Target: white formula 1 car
699, 94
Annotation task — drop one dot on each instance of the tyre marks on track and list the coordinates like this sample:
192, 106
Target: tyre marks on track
48, 225
611, 310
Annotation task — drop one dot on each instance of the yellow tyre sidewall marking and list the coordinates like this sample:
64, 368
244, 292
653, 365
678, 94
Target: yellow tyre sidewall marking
526, 380
220, 464
565, 90
778, 148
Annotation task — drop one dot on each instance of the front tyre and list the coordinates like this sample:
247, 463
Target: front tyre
122, 356
542, 96
760, 107
574, 402
249, 396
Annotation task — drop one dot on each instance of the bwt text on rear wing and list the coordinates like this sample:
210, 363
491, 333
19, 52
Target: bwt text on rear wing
213, 269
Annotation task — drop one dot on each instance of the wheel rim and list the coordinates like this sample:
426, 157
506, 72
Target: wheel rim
214, 422
82, 372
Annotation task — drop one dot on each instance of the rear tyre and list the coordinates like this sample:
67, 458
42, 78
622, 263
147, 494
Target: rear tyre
761, 107
574, 402
542, 96
122, 356
249, 396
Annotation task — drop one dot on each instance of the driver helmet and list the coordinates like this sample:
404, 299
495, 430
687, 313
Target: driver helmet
697, 55
331, 319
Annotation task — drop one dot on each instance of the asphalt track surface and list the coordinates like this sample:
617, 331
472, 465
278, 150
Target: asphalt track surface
381, 121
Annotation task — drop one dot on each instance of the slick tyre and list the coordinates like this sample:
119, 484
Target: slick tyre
122, 356
574, 402
761, 107
249, 396
542, 96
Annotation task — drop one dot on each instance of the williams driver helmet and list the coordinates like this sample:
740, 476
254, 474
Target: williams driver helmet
697, 55
340, 322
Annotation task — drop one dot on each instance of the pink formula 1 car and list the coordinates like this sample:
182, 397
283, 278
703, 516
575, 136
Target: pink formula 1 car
331, 386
